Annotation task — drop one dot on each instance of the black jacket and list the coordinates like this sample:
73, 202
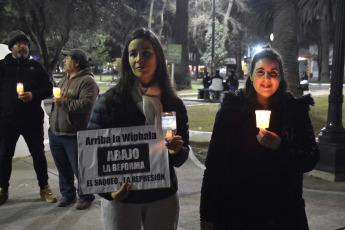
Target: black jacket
246, 183
110, 114
34, 78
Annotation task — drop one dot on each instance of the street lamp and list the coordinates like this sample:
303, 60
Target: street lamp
258, 49
271, 37
332, 136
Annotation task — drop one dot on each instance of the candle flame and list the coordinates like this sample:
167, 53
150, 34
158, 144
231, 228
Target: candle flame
20, 88
56, 92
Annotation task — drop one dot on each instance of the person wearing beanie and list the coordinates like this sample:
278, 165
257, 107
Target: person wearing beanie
16, 36
70, 114
21, 112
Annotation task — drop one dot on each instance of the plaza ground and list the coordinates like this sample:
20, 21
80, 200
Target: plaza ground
325, 201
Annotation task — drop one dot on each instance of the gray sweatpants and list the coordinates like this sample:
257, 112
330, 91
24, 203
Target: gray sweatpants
158, 215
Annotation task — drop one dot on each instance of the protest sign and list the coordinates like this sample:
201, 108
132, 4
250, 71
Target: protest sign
109, 157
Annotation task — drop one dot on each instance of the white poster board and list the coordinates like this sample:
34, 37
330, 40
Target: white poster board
109, 157
4, 51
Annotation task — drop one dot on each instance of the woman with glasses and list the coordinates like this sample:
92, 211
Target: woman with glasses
253, 177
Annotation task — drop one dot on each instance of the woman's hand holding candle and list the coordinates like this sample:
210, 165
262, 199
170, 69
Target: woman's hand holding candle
175, 144
262, 118
268, 139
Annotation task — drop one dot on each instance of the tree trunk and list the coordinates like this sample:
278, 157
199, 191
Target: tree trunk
325, 25
150, 16
225, 21
182, 76
238, 56
36, 29
162, 20
285, 41
195, 24
319, 58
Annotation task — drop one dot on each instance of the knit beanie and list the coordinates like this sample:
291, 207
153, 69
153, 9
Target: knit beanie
16, 36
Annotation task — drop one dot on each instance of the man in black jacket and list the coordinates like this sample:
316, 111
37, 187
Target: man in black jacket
21, 112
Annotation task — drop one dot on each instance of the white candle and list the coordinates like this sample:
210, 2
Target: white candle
20, 88
169, 134
56, 92
263, 118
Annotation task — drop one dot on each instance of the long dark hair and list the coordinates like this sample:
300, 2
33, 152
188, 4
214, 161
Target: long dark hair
162, 78
271, 55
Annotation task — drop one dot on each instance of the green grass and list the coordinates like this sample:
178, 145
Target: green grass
203, 145
318, 113
104, 78
108, 78
103, 87
201, 117
194, 89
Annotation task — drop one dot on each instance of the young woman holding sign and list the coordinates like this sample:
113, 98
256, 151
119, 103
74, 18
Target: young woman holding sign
253, 178
143, 92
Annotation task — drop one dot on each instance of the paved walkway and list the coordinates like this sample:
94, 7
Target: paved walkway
325, 202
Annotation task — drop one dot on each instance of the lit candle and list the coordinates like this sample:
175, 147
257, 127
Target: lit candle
56, 92
20, 88
262, 118
169, 124
169, 134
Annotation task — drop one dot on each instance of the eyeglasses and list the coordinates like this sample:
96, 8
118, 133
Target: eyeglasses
273, 73
25, 43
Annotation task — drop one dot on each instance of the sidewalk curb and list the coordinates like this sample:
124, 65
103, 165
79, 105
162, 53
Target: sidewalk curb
195, 160
199, 136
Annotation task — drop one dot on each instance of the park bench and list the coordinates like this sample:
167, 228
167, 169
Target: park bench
204, 94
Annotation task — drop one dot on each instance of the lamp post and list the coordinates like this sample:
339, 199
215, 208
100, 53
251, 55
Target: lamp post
271, 37
332, 136
213, 32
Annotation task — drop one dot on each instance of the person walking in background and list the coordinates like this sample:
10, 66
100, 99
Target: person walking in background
304, 76
70, 114
253, 177
216, 85
217, 75
142, 93
206, 81
232, 82
21, 113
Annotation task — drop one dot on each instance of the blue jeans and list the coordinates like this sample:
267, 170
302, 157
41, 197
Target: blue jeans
33, 136
65, 154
